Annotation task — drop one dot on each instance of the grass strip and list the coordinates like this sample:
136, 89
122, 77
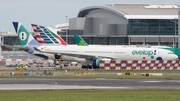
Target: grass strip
92, 95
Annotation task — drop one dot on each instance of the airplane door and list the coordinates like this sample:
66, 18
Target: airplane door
158, 55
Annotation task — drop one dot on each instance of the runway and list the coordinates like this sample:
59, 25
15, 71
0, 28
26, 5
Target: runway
99, 83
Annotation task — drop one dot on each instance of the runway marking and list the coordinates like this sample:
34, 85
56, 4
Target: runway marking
100, 78
48, 87
152, 81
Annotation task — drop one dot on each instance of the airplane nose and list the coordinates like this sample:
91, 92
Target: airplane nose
175, 56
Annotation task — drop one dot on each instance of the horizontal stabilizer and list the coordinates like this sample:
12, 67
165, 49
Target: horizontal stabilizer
16, 47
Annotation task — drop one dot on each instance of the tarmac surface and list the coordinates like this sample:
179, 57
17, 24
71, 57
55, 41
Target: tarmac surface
99, 83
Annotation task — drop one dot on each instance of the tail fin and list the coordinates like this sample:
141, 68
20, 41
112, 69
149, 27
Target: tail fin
80, 41
24, 36
38, 36
42, 36
57, 36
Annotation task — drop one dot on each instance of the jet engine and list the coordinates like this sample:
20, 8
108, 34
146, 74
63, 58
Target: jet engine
96, 62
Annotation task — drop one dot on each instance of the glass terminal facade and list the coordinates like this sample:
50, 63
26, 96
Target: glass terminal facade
153, 27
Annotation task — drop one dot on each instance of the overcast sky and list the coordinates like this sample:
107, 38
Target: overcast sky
51, 12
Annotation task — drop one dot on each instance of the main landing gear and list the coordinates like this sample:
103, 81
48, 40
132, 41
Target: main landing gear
86, 67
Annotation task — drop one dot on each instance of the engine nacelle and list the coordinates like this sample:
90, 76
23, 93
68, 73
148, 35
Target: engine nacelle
96, 62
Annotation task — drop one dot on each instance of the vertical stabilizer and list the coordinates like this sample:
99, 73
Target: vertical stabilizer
80, 41
24, 36
38, 36
43, 37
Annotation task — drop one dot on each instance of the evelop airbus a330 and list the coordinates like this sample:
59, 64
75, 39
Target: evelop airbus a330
94, 53
79, 40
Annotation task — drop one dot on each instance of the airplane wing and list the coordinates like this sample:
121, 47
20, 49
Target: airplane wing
81, 55
15, 47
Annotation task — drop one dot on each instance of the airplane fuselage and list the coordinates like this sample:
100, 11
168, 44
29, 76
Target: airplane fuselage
129, 53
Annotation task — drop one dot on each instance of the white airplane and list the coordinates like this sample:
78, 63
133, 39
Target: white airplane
80, 42
129, 53
93, 54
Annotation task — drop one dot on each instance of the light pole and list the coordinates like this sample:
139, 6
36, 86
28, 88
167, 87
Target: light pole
159, 33
175, 32
66, 30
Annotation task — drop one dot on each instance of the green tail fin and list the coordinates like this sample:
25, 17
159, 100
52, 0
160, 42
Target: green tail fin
80, 41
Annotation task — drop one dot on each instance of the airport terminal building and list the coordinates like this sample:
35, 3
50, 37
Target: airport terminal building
122, 24
127, 24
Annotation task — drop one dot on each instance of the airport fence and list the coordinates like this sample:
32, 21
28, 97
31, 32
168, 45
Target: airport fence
139, 65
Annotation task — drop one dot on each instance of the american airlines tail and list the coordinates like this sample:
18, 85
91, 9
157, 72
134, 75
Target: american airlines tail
43, 37
38, 36
43, 34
